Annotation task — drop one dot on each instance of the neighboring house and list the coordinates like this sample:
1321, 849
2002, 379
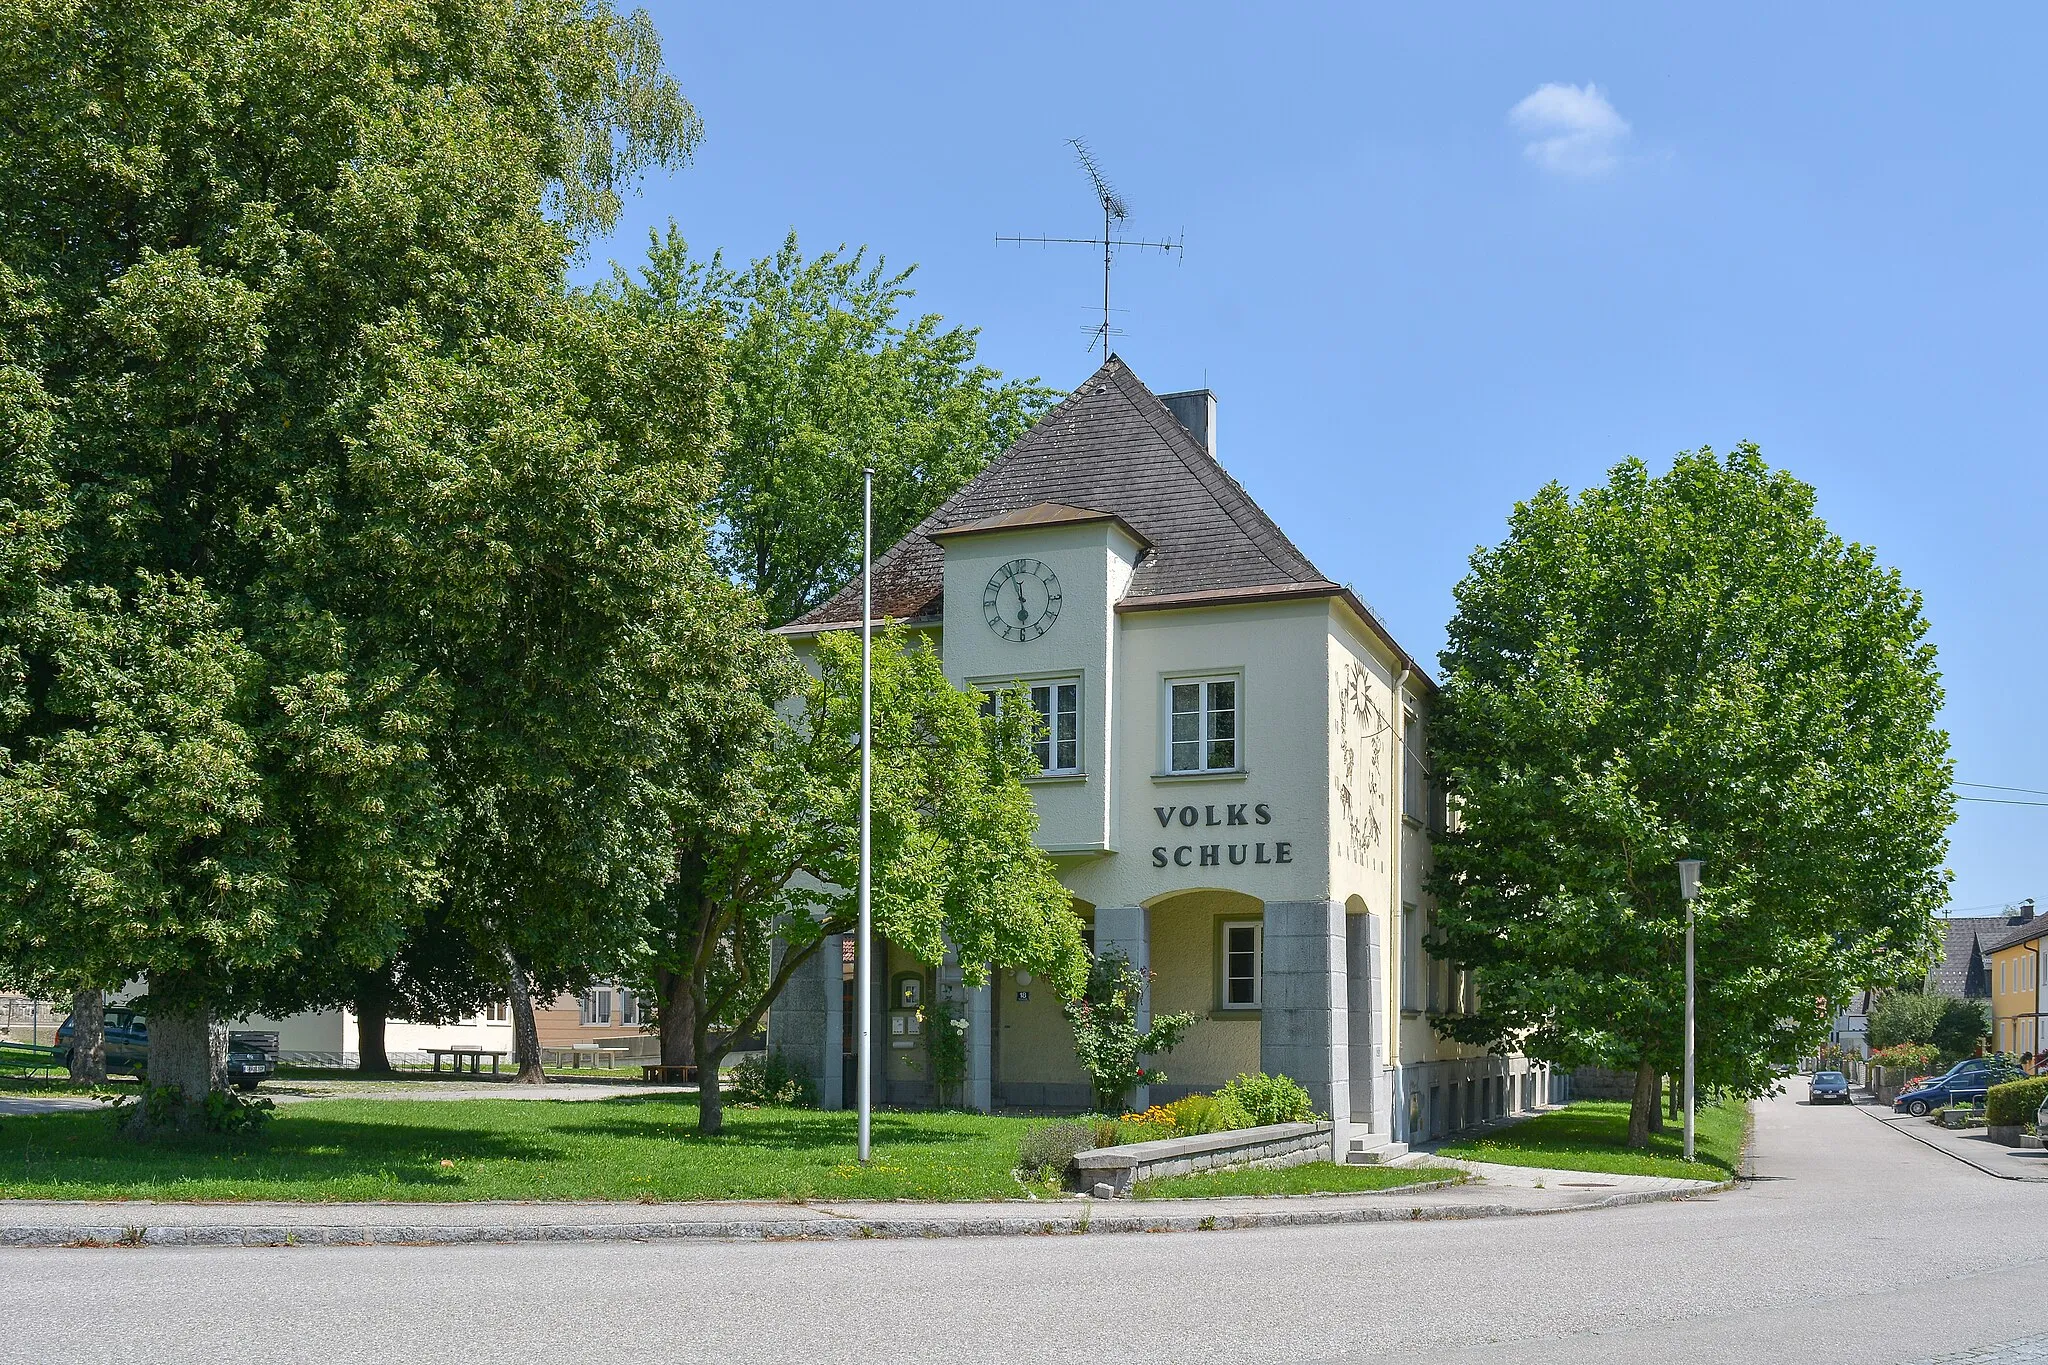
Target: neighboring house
1962, 973
1851, 1029
2013, 964
604, 1014
1234, 786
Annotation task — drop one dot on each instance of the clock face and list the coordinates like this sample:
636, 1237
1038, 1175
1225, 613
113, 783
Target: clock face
1022, 601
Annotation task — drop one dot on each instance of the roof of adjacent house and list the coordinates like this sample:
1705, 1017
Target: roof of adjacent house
2032, 929
1111, 450
1965, 940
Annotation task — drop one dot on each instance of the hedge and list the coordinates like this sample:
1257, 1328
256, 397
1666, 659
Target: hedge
2015, 1101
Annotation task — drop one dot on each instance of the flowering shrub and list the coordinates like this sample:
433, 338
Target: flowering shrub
769, 1079
1046, 1152
1269, 1099
1908, 1057
1106, 1037
945, 1049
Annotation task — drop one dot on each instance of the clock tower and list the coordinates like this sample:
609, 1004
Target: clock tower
1031, 596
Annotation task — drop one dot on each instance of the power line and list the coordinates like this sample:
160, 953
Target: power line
1993, 787
1998, 801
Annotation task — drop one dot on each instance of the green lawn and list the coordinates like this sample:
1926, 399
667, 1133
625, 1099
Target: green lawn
1312, 1177
636, 1148
1592, 1135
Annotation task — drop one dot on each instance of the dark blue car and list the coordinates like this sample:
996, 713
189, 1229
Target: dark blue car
1829, 1087
126, 1034
1965, 1083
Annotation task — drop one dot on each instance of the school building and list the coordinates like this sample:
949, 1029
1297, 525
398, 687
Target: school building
1234, 786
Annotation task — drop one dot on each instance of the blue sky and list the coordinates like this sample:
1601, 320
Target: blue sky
1434, 260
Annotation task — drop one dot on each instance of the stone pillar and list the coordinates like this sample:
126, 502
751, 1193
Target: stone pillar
1304, 1028
1129, 928
981, 1080
1365, 988
806, 1023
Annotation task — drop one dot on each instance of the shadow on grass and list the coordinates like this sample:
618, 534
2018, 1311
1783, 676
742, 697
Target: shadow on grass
1601, 1127
85, 1149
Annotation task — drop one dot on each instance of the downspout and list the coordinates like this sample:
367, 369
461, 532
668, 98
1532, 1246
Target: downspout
1397, 926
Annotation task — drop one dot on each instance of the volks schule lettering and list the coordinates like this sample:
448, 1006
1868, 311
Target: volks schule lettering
1204, 689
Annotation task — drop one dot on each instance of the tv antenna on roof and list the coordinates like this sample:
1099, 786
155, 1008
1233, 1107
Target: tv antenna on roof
1114, 211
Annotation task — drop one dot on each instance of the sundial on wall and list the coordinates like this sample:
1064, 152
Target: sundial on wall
1022, 600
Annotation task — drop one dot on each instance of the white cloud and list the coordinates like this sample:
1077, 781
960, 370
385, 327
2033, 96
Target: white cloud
1572, 130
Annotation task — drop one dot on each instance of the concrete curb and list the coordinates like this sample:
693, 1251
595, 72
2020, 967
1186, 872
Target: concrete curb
1946, 1150
1171, 1216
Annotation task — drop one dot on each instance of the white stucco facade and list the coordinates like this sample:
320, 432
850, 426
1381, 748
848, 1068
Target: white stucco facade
1275, 886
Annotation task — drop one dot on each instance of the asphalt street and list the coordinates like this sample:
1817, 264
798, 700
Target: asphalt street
1852, 1243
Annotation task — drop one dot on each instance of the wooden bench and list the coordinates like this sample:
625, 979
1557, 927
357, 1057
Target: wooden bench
455, 1055
655, 1071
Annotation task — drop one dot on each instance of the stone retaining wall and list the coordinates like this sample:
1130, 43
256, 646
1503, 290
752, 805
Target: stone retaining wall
1278, 1144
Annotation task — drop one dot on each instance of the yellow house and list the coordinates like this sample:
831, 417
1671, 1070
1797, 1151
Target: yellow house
2014, 962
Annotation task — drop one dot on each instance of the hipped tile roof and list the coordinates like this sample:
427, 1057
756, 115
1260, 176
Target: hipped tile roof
1111, 447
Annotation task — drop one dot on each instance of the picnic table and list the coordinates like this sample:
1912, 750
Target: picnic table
455, 1055
656, 1071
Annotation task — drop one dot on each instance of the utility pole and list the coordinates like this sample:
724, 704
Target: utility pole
1689, 892
864, 979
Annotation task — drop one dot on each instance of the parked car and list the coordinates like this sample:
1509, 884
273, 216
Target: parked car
1829, 1087
127, 1050
1965, 1083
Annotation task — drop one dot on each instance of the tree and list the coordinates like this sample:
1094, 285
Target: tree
235, 236
766, 873
1904, 1017
825, 377
1690, 665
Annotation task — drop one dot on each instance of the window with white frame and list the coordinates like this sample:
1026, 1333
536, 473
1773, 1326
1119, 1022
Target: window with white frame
629, 1009
1411, 958
1058, 704
1244, 951
497, 1012
597, 1006
1203, 737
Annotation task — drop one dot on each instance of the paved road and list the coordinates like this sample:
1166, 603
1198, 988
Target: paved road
1854, 1244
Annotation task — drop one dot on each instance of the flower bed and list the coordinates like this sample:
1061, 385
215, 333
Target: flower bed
1278, 1144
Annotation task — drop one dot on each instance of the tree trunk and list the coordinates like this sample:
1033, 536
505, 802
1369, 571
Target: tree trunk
89, 1036
678, 1017
373, 1014
1642, 1105
710, 1101
525, 1033
1657, 1104
189, 1050
371, 1017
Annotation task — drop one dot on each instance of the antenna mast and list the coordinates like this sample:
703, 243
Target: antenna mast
1114, 211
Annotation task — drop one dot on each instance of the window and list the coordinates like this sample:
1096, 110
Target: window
1243, 949
1414, 772
1203, 737
1411, 958
629, 1009
597, 1006
1058, 704
497, 1012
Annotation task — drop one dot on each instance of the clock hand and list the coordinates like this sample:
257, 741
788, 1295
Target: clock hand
1023, 611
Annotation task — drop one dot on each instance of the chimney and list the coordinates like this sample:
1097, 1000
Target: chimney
2027, 910
1195, 410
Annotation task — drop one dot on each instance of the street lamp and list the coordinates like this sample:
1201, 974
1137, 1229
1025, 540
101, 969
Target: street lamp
1689, 891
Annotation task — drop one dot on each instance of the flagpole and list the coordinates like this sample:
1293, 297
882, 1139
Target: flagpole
864, 979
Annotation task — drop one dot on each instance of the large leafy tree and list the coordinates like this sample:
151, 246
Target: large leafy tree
767, 849
827, 375
1688, 665
328, 490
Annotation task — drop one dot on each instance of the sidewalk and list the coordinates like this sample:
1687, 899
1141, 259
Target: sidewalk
1968, 1145
1497, 1192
